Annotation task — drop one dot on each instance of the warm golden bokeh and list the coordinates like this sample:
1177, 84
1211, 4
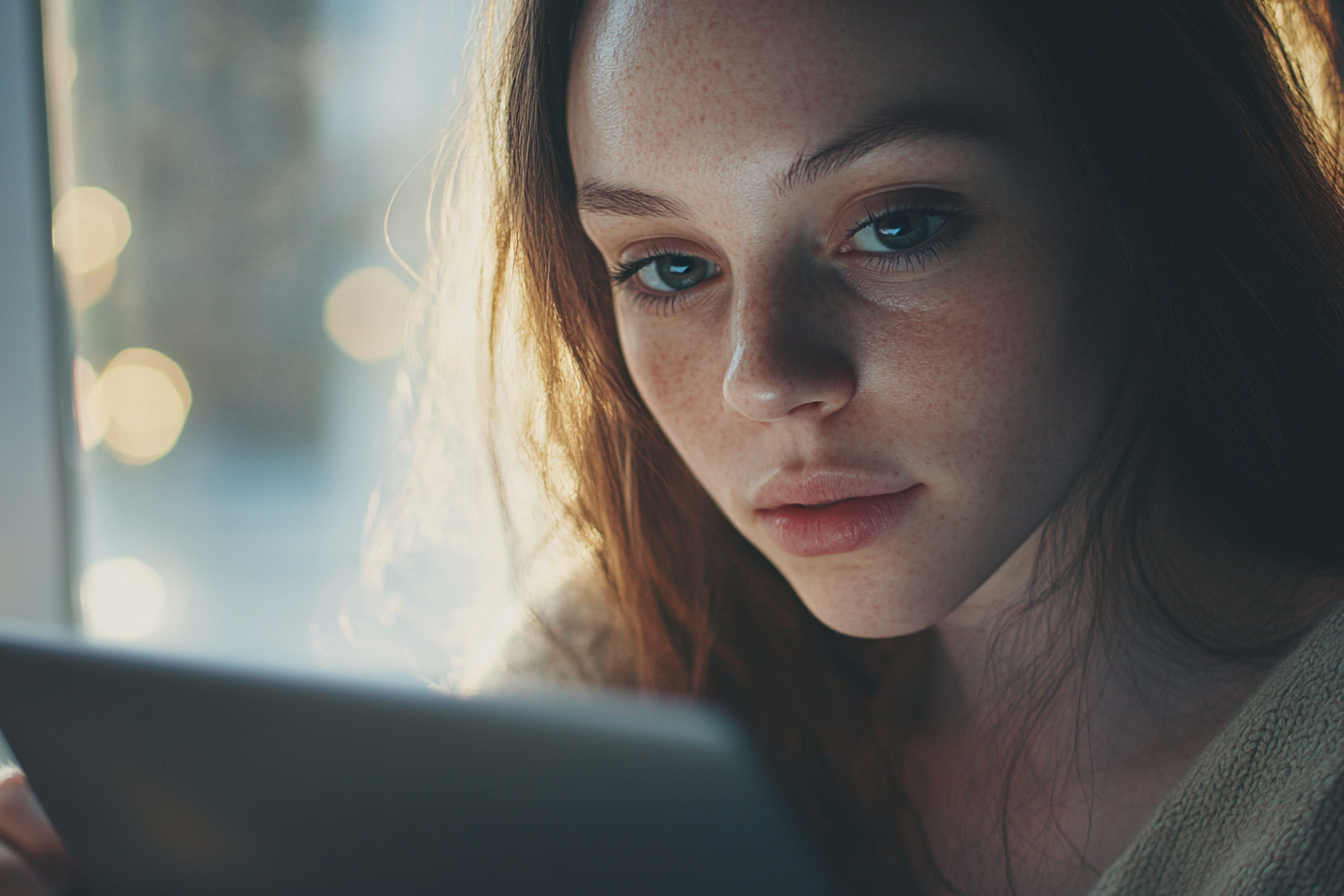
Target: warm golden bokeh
121, 599
365, 315
141, 400
90, 227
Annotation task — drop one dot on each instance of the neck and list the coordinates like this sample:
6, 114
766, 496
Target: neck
1116, 654
1057, 730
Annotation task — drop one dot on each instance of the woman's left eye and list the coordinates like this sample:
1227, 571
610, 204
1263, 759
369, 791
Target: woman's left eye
897, 231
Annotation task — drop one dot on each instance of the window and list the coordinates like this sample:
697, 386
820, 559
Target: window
224, 178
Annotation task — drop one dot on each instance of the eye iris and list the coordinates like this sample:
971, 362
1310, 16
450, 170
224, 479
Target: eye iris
902, 230
681, 271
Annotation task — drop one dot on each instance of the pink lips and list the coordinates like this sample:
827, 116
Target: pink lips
829, 513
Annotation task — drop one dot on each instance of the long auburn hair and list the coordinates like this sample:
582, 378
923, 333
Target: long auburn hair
1192, 126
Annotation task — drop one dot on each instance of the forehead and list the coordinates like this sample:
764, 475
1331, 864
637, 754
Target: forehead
660, 86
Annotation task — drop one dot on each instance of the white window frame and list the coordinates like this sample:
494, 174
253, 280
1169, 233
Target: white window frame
36, 419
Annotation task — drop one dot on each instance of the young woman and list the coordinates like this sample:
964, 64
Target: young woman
954, 389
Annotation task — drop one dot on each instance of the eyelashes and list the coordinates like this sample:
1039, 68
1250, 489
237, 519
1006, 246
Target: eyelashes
662, 279
901, 237
893, 237
626, 270
871, 215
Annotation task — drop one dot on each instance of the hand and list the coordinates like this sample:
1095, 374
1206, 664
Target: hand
32, 860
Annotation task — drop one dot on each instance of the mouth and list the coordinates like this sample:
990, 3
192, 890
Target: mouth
836, 526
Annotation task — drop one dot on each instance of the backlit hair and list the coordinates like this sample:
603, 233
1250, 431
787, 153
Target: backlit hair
1209, 146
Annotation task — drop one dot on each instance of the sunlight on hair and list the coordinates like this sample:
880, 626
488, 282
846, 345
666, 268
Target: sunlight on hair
447, 574
1310, 54
122, 599
436, 516
365, 315
138, 406
89, 229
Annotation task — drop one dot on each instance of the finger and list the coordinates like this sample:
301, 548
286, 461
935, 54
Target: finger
18, 878
25, 829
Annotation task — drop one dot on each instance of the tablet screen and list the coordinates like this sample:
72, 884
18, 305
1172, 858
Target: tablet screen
174, 777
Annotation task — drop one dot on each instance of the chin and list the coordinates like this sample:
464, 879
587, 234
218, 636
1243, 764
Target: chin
871, 606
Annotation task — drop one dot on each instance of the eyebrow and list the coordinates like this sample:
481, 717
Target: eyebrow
892, 126
888, 127
601, 198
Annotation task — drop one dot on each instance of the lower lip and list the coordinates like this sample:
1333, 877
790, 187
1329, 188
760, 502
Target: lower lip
813, 530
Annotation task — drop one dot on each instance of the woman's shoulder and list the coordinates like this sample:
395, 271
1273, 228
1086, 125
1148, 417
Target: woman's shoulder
1262, 809
571, 638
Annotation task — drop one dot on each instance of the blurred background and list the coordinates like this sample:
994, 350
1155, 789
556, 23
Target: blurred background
224, 175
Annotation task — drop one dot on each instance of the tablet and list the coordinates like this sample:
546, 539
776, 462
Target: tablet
171, 777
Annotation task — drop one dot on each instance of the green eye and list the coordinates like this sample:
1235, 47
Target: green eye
896, 231
674, 273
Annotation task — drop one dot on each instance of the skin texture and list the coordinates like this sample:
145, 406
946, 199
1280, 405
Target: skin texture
981, 375
976, 375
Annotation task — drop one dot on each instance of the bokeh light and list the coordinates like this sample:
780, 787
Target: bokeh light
365, 315
144, 398
90, 227
88, 288
122, 599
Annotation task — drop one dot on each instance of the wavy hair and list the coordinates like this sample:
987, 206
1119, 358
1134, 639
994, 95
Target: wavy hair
1205, 131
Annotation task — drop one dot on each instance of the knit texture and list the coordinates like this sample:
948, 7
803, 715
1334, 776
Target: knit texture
1261, 811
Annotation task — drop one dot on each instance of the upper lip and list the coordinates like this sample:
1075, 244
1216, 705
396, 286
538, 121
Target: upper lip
822, 487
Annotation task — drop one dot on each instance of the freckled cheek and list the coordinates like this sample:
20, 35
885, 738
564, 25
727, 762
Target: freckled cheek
964, 378
680, 377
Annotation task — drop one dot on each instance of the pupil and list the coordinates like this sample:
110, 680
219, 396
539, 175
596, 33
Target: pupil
902, 230
681, 271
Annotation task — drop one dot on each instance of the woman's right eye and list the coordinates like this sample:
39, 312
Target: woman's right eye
674, 273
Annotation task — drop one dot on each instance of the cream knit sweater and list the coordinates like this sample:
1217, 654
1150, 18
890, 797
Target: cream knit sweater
1261, 811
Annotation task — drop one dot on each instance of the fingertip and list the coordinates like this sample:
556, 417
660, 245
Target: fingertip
18, 878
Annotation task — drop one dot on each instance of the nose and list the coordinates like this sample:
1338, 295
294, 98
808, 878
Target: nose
789, 353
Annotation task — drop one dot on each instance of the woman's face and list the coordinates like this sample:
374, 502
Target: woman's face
854, 283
